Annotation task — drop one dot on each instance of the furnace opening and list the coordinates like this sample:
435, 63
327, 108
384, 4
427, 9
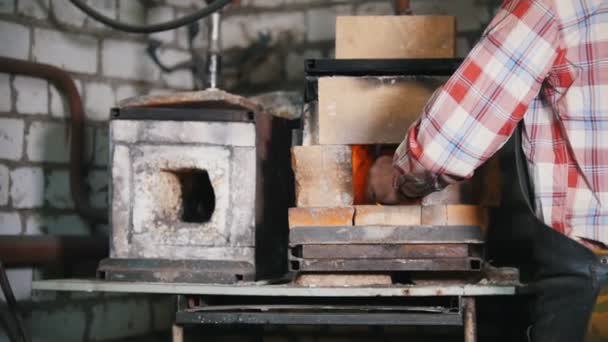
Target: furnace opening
198, 196
363, 157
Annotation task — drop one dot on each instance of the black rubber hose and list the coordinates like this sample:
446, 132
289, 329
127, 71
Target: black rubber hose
170, 25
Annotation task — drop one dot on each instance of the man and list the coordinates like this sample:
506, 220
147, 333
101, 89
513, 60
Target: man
544, 62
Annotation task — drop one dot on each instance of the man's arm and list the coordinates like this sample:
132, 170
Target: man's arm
475, 112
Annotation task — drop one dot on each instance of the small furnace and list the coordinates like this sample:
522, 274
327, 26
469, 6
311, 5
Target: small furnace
201, 183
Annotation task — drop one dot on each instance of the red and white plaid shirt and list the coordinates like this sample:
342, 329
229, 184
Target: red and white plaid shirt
546, 62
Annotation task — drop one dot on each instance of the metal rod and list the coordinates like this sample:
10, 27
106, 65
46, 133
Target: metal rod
470, 319
67, 87
44, 249
214, 58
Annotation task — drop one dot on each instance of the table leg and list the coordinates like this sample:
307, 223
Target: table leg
470, 319
177, 333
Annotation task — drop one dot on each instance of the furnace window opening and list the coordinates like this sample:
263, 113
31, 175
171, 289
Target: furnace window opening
197, 195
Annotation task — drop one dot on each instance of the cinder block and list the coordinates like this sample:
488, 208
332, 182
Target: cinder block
5, 93
323, 175
68, 51
7, 6
321, 217
370, 110
14, 40
101, 146
27, 187
11, 138
4, 190
21, 281
236, 29
56, 225
99, 100
10, 223
395, 37
322, 22
47, 141
379, 215
106, 8
121, 200
123, 59
161, 14
66, 13
181, 79
131, 12
212, 133
343, 280
33, 8
57, 190
32, 95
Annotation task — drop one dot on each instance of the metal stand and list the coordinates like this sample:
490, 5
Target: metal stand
256, 304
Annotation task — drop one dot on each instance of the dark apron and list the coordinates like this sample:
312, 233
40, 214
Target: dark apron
563, 278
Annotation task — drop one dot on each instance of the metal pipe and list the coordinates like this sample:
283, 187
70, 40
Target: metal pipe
19, 250
65, 85
214, 57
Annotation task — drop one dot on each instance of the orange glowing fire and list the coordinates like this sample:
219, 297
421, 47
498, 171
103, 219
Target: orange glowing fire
363, 157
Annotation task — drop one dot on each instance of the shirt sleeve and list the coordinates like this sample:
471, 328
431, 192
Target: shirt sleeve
468, 119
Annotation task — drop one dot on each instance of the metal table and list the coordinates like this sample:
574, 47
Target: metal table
294, 313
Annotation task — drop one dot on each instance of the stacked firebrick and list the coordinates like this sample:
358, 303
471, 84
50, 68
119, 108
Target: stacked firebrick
355, 119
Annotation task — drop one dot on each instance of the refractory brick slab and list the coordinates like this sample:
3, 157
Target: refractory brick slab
380, 215
321, 217
455, 215
378, 37
343, 280
370, 110
323, 176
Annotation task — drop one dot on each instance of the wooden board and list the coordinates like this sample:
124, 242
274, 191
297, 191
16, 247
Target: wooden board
370, 110
376, 37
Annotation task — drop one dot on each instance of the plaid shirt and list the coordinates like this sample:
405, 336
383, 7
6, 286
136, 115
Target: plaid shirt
543, 61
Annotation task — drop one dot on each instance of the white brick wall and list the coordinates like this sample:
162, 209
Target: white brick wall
99, 100
74, 52
27, 187
47, 142
127, 59
57, 190
5, 93
33, 8
10, 223
11, 138
32, 95
14, 40
4, 183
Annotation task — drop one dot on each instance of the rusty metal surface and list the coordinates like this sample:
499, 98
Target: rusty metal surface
470, 319
385, 265
64, 83
41, 250
384, 251
178, 271
211, 98
320, 318
385, 235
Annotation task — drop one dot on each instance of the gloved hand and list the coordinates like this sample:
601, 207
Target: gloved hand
380, 187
